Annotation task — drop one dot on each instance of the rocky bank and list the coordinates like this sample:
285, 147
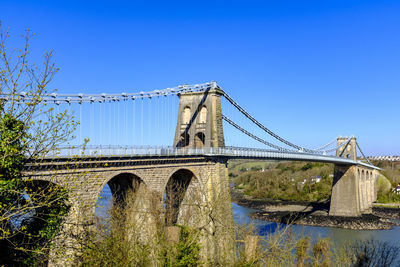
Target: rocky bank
316, 214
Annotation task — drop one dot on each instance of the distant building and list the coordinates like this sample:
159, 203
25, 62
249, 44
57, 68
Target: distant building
316, 179
388, 158
397, 189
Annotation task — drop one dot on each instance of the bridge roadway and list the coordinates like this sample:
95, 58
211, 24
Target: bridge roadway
116, 153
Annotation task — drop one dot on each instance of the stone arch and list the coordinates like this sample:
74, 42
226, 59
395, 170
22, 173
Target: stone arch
203, 115
199, 139
47, 195
135, 209
186, 114
119, 186
176, 194
121, 183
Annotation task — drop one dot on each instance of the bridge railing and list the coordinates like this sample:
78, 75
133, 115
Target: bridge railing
121, 151
165, 151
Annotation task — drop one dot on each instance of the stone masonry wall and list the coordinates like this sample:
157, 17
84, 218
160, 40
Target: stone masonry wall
207, 200
353, 190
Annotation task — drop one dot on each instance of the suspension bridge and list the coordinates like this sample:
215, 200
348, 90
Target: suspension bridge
128, 148
112, 120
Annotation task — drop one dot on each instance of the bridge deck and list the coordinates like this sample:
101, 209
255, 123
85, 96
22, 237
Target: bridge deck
132, 153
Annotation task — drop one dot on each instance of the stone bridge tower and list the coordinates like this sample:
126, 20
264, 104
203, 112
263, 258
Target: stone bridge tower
200, 120
354, 186
347, 151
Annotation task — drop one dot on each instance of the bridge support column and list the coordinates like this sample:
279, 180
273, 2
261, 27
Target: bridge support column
353, 191
369, 192
375, 176
221, 218
346, 198
207, 207
364, 182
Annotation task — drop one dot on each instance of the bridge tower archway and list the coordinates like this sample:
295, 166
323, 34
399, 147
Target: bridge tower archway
199, 140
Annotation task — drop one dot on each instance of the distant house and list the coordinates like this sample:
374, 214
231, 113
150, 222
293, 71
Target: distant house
316, 179
397, 189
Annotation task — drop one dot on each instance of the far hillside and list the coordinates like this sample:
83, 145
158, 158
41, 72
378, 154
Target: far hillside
302, 181
389, 181
289, 181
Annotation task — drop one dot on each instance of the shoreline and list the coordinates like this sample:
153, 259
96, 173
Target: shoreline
315, 213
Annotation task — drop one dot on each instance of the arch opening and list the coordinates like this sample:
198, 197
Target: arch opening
116, 193
184, 140
199, 140
175, 192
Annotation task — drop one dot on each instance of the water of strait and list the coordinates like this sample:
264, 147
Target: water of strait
241, 215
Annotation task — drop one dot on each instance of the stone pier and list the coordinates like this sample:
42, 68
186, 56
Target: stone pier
354, 186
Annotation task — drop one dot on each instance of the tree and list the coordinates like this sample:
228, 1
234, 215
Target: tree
30, 211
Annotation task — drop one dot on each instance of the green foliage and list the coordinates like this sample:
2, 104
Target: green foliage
187, 250
12, 134
389, 197
42, 227
30, 212
389, 179
391, 170
290, 181
307, 166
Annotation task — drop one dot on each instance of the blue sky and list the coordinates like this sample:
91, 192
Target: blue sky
309, 70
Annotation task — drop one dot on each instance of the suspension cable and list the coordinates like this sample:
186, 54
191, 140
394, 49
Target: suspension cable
336, 148
244, 112
327, 145
359, 148
23, 97
252, 135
